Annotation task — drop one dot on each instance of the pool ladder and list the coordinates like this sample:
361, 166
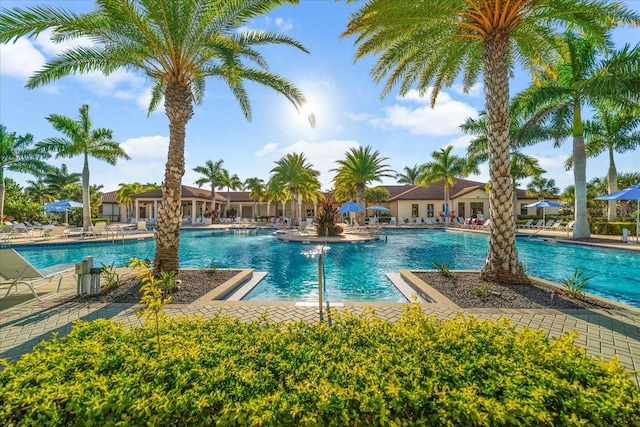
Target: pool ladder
322, 285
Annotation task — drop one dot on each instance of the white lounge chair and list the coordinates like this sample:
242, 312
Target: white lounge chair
96, 231
568, 227
142, 226
5, 232
539, 224
15, 270
21, 230
527, 225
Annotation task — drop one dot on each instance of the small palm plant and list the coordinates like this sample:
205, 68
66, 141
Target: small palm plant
443, 268
327, 219
575, 285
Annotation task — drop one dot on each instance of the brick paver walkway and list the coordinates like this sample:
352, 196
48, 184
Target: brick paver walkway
602, 333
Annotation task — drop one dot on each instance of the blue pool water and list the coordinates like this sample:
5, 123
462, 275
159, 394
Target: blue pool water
355, 272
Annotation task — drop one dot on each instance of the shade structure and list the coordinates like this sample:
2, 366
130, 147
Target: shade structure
350, 206
377, 208
544, 203
62, 206
56, 209
629, 193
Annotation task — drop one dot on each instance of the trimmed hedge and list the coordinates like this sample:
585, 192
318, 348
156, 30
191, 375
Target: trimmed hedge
360, 371
612, 228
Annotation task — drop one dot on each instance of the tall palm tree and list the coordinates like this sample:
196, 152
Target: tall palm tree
177, 45
615, 130
256, 192
579, 77
18, 154
430, 43
63, 184
360, 167
277, 191
409, 176
124, 193
80, 139
296, 175
542, 188
210, 172
230, 182
444, 167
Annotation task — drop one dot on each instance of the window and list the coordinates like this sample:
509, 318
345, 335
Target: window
430, 207
414, 210
523, 209
461, 212
477, 207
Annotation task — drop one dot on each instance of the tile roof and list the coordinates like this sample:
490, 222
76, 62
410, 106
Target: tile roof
109, 197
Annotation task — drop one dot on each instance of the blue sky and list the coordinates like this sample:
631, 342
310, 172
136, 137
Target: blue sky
341, 93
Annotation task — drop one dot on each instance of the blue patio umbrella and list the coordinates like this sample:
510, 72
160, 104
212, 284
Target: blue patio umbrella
350, 206
377, 208
629, 193
446, 209
544, 203
62, 206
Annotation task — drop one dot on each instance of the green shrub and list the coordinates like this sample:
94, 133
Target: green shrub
111, 276
360, 371
97, 220
575, 284
443, 268
612, 228
480, 291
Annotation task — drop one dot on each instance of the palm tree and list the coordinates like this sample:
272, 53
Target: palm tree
361, 167
430, 43
296, 175
409, 176
542, 188
38, 190
81, 139
277, 191
444, 167
231, 182
256, 192
62, 183
574, 79
124, 193
18, 154
177, 45
210, 175
376, 194
615, 130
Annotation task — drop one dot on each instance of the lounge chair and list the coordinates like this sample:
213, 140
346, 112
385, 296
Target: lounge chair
555, 226
548, 225
96, 231
21, 230
142, 226
568, 227
15, 270
527, 225
539, 224
5, 232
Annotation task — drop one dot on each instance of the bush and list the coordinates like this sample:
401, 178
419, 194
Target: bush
360, 371
612, 228
97, 220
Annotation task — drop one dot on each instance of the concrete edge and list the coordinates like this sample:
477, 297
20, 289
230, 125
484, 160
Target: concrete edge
425, 291
227, 287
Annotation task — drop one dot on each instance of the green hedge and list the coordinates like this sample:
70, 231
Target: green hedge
359, 371
612, 228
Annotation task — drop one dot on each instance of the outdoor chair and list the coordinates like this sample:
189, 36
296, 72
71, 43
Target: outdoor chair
15, 270
527, 225
96, 231
539, 224
21, 230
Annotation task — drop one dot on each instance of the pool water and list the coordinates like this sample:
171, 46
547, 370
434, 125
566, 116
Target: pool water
356, 272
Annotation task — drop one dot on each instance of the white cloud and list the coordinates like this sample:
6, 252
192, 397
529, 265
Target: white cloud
460, 142
267, 149
51, 48
474, 91
283, 25
147, 147
20, 59
357, 117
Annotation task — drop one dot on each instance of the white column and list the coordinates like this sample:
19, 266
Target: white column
268, 207
193, 211
239, 213
155, 209
137, 212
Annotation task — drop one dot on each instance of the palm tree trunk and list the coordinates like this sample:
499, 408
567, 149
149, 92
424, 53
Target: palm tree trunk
86, 207
502, 264
360, 200
612, 182
2, 191
213, 202
294, 220
179, 109
581, 226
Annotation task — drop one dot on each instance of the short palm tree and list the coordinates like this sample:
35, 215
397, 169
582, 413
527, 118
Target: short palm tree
211, 172
177, 45
409, 176
429, 44
580, 77
296, 175
256, 192
542, 188
124, 193
63, 184
444, 167
277, 191
613, 129
38, 190
230, 182
80, 139
360, 167
18, 154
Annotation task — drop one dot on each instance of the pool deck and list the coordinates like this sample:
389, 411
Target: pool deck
24, 321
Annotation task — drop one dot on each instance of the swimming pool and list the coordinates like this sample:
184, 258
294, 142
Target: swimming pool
355, 272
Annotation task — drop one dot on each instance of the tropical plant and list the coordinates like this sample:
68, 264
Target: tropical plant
360, 167
80, 139
327, 219
275, 192
481, 290
614, 129
409, 176
18, 154
211, 173
293, 173
575, 284
38, 190
63, 184
231, 182
443, 267
542, 188
444, 167
256, 192
177, 44
377, 194
430, 43
584, 73
168, 281
111, 276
